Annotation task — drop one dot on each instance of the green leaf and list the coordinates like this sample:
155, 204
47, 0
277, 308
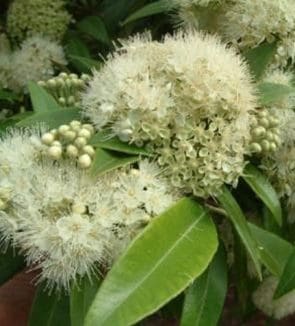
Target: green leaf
287, 280
52, 118
81, 298
264, 190
205, 298
8, 96
41, 100
238, 219
86, 64
160, 263
271, 93
77, 48
10, 264
95, 27
49, 310
104, 140
105, 161
150, 9
259, 58
274, 251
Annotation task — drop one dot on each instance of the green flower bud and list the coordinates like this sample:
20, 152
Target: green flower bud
256, 148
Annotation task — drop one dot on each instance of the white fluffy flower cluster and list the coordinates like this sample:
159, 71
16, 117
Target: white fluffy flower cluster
32, 62
249, 23
66, 222
279, 308
189, 98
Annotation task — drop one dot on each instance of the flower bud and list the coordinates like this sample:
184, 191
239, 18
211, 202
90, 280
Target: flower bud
255, 147
63, 75
259, 131
63, 129
88, 127
47, 138
51, 83
80, 142
88, 149
62, 101
84, 161
84, 133
55, 152
69, 135
72, 151
56, 143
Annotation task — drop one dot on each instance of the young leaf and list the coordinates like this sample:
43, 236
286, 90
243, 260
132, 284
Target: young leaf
274, 251
105, 161
95, 27
82, 295
10, 264
52, 118
264, 190
205, 298
49, 309
287, 280
271, 93
150, 9
102, 140
41, 100
259, 58
238, 219
160, 263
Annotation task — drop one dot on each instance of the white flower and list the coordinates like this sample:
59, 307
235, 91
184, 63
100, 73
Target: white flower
189, 99
279, 308
34, 61
249, 23
65, 221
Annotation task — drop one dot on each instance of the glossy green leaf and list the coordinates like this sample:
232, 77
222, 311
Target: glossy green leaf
274, 251
95, 27
150, 9
10, 264
287, 280
52, 118
264, 190
41, 100
105, 161
50, 310
271, 93
75, 47
103, 140
86, 64
205, 298
160, 263
238, 219
259, 58
82, 295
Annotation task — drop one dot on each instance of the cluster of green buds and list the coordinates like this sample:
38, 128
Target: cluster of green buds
70, 141
66, 88
265, 132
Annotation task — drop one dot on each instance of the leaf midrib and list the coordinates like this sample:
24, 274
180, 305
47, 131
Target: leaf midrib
156, 265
